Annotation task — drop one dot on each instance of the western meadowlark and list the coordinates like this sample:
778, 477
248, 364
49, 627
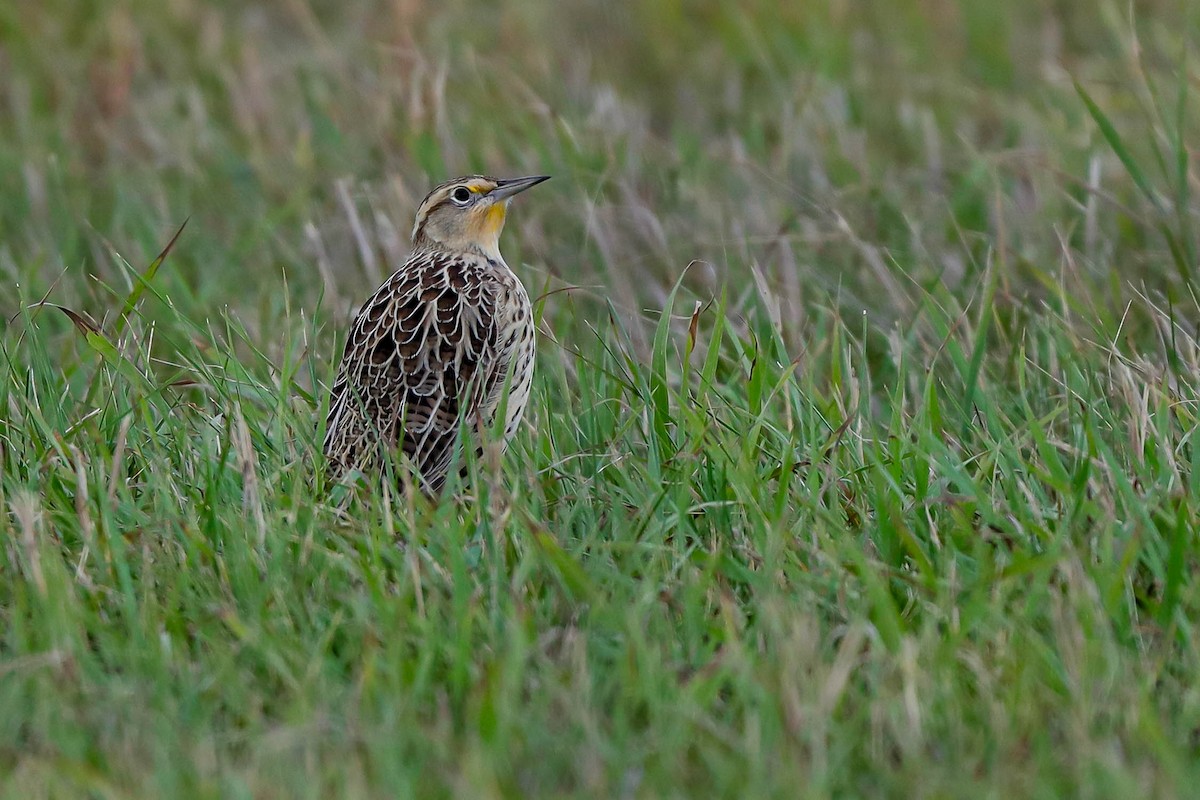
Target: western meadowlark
436, 344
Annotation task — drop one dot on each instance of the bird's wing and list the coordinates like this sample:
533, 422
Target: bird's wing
419, 355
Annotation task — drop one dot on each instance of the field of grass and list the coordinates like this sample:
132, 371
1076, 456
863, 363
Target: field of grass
862, 456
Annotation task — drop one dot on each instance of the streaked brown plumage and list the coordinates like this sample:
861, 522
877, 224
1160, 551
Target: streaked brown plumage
435, 344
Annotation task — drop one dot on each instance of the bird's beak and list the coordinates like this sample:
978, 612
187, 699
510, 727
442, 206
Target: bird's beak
507, 188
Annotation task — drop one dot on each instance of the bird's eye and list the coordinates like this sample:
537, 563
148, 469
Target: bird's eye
461, 195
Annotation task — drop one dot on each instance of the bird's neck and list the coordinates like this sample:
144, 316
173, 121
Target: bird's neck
489, 249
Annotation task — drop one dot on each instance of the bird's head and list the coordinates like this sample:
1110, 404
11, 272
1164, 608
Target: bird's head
468, 213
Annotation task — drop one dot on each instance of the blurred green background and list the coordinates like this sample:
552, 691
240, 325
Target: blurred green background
847, 147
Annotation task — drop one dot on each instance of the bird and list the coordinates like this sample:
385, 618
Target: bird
437, 343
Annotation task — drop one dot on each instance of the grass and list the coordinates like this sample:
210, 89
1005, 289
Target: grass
861, 459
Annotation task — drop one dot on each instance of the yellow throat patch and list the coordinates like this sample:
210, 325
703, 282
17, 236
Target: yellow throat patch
493, 222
